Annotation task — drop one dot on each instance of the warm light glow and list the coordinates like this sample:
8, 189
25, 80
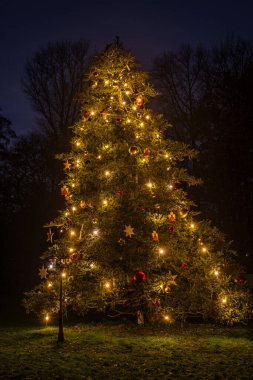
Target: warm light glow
147, 117
107, 173
46, 317
128, 121
166, 155
71, 250
78, 143
150, 185
171, 187
192, 225
216, 273
166, 317
66, 213
99, 157
107, 285
106, 82
161, 251
73, 208
95, 232
134, 108
105, 202
63, 274
72, 233
49, 285
224, 300
204, 249
92, 113
142, 124
106, 146
127, 92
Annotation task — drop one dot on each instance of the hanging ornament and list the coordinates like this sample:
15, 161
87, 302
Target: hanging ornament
183, 213
142, 208
50, 235
139, 277
171, 228
73, 257
240, 280
67, 165
120, 193
118, 120
155, 236
175, 186
65, 192
146, 152
140, 318
121, 241
184, 265
172, 217
96, 74
43, 272
129, 231
133, 150
139, 101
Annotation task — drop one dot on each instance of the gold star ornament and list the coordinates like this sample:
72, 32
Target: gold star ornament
129, 231
43, 272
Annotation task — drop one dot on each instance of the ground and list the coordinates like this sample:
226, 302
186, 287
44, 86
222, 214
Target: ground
113, 351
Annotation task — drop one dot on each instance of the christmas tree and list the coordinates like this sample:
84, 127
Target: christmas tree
129, 240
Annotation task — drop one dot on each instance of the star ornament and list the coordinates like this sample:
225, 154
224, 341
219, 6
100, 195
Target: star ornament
67, 165
43, 272
129, 231
50, 235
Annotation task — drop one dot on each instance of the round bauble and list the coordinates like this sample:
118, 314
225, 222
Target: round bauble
133, 150
139, 277
139, 101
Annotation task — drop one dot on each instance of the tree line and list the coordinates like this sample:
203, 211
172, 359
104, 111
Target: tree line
206, 94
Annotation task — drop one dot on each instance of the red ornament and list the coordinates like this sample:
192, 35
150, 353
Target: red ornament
171, 228
120, 193
139, 101
73, 257
65, 192
146, 152
96, 74
155, 236
175, 186
142, 208
240, 280
139, 277
184, 265
172, 217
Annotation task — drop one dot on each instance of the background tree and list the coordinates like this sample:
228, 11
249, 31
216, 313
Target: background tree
129, 236
207, 97
53, 81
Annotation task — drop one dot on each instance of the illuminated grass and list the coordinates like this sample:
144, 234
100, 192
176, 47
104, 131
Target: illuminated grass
127, 352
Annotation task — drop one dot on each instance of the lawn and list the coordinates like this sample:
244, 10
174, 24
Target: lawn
116, 351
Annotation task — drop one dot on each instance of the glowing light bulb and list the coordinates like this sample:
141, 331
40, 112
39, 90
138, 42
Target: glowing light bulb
46, 317
73, 208
49, 285
106, 146
50, 266
134, 108
66, 213
105, 202
142, 124
224, 300
147, 117
107, 285
92, 265
216, 273
95, 232
107, 173
71, 250
204, 249
111, 98
192, 226
161, 251
72, 233
127, 92
150, 185
124, 103
99, 157
63, 274
166, 317
128, 121
78, 143
166, 155
106, 82
92, 113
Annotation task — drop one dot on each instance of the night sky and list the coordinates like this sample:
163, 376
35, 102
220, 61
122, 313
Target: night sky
147, 27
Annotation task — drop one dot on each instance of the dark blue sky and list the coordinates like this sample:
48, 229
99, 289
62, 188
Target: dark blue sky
147, 27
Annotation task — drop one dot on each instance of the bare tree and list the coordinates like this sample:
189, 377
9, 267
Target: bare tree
178, 76
52, 81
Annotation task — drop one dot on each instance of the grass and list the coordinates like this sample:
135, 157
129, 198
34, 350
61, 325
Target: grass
109, 351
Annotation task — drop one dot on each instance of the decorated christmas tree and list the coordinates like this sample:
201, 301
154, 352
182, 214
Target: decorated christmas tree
129, 240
